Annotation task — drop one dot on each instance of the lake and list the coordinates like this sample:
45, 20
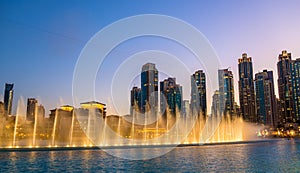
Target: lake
268, 156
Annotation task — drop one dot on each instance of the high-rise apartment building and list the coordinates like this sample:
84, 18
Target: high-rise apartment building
265, 98
286, 112
198, 94
149, 88
246, 89
32, 108
295, 78
8, 98
170, 96
135, 100
226, 92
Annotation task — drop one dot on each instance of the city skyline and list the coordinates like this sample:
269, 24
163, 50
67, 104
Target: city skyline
150, 86
48, 45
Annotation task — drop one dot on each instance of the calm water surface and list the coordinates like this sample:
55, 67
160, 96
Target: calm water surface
275, 156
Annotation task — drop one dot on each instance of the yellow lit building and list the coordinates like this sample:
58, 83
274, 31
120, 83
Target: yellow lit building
94, 105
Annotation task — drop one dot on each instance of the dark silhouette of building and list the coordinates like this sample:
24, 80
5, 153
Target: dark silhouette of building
226, 92
149, 89
265, 98
135, 100
8, 98
198, 94
215, 107
170, 96
286, 112
32, 108
246, 89
185, 108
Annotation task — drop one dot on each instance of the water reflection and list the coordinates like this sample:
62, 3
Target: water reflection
273, 156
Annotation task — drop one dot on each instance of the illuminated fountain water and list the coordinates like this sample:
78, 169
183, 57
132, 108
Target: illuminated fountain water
72, 128
20, 112
54, 127
35, 125
16, 127
137, 130
132, 133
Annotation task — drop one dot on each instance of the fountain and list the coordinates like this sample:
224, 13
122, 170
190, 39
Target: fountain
15, 129
72, 128
35, 125
20, 112
54, 127
83, 128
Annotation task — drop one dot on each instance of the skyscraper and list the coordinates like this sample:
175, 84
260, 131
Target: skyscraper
198, 93
246, 89
170, 96
32, 108
265, 98
135, 100
149, 88
295, 76
226, 92
8, 98
215, 106
185, 110
286, 112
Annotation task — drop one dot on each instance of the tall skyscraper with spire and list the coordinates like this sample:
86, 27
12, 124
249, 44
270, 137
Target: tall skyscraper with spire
8, 98
246, 89
286, 111
149, 88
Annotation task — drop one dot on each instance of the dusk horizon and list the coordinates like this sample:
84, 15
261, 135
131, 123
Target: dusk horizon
150, 86
48, 47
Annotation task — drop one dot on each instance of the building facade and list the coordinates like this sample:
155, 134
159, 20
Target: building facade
226, 93
215, 106
286, 112
246, 89
295, 77
170, 96
149, 88
265, 98
32, 108
8, 98
185, 110
198, 94
135, 100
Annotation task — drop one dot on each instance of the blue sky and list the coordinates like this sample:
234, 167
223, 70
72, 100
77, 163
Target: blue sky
41, 40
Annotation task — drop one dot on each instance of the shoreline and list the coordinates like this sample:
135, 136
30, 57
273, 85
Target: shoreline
66, 148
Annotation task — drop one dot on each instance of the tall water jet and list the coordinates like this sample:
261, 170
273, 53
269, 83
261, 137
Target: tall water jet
104, 132
177, 123
20, 112
157, 128
92, 125
35, 125
54, 127
15, 129
119, 131
132, 135
72, 128
135, 114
